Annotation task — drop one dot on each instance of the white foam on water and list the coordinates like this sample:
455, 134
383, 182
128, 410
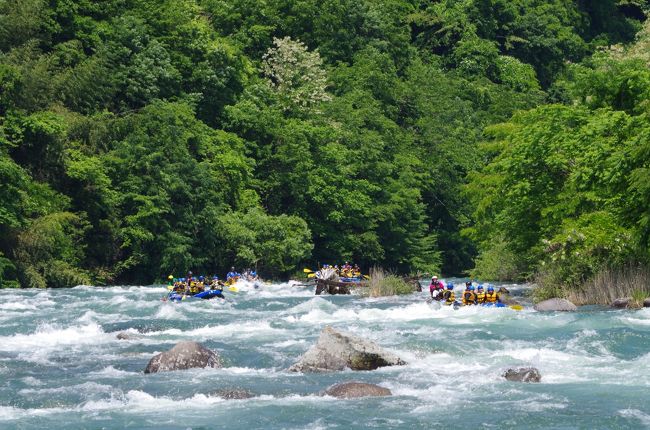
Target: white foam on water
168, 311
30, 380
111, 372
637, 415
18, 306
52, 336
241, 330
287, 343
85, 388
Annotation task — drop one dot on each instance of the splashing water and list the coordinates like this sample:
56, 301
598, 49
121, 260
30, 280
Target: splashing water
62, 366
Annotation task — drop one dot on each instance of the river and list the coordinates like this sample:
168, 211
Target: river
61, 365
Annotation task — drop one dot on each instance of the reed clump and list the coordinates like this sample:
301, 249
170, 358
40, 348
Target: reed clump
631, 282
383, 283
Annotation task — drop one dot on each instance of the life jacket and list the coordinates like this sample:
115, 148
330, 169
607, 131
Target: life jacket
449, 297
194, 288
492, 297
480, 297
469, 298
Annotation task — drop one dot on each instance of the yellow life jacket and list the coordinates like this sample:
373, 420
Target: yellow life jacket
194, 288
492, 297
480, 297
469, 298
450, 297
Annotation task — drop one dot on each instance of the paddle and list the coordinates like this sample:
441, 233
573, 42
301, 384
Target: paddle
233, 289
311, 275
516, 307
307, 270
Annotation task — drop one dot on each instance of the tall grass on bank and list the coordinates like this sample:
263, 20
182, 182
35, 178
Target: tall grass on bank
383, 283
607, 286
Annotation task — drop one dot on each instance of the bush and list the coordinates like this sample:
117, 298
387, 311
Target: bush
382, 284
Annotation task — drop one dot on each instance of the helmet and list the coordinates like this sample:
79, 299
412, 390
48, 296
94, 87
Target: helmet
201, 278
450, 286
471, 288
434, 277
189, 272
215, 278
480, 287
490, 288
170, 277
468, 283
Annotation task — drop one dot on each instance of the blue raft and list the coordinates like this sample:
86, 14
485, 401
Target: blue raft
205, 295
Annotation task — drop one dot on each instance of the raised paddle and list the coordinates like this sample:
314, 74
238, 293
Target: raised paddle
307, 270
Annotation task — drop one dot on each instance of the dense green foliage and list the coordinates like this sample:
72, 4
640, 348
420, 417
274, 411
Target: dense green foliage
143, 137
565, 194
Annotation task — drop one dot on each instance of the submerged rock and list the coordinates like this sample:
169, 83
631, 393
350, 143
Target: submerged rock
551, 305
353, 389
622, 302
523, 374
234, 394
503, 290
646, 303
337, 350
124, 336
184, 355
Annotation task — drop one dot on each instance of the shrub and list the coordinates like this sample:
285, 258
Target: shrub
382, 284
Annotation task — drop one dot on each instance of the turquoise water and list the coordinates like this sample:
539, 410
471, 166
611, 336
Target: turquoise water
61, 365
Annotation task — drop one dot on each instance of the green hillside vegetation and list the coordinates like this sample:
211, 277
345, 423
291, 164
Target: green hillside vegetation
140, 138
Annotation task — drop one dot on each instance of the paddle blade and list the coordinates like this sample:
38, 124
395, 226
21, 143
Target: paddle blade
311, 275
517, 307
170, 287
366, 276
233, 289
307, 270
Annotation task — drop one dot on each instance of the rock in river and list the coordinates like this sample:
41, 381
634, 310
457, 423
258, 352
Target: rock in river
523, 374
337, 350
353, 389
184, 355
551, 305
621, 302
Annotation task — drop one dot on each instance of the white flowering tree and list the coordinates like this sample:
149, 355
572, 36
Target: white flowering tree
296, 75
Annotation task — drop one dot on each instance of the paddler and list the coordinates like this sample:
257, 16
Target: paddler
492, 296
448, 296
480, 295
469, 296
435, 288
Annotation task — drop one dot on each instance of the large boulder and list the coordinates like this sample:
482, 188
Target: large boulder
352, 389
523, 374
646, 303
337, 350
555, 305
184, 355
621, 302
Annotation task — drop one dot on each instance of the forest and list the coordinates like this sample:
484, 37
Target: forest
509, 139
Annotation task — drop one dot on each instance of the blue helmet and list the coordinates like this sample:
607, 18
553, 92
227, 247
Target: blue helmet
480, 287
450, 286
490, 288
471, 288
201, 278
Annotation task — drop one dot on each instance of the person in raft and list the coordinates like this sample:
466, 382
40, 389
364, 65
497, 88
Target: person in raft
469, 296
448, 295
435, 288
232, 274
492, 296
480, 295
